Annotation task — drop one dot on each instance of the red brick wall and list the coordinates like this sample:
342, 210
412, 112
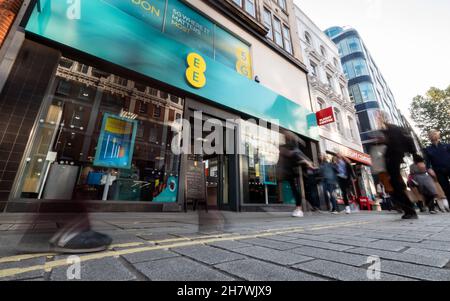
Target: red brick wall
8, 12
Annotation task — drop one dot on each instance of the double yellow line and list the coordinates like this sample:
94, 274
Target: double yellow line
137, 247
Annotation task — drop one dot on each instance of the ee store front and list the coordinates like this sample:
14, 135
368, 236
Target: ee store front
111, 86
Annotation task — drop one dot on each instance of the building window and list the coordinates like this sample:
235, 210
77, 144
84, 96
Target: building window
356, 68
308, 38
336, 62
362, 92
157, 112
330, 81
163, 95
268, 23
82, 68
282, 4
287, 39
343, 92
337, 114
277, 32
174, 99
143, 107
313, 69
351, 128
120, 81
323, 51
247, 5
140, 87
154, 92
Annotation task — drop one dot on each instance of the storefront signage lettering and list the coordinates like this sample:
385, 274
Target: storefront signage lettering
116, 31
148, 7
325, 116
195, 73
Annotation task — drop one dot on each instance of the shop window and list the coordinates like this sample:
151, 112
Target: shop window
71, 129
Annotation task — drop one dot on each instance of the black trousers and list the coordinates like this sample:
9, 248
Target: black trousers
399, 186
443, 177
296, 191
344, 185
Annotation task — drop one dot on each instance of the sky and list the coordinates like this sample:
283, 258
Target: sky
408, 39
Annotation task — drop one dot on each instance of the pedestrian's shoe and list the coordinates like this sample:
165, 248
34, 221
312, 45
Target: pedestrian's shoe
81, 242
297, 213
410, 216
334, 212
348, 210
433, 212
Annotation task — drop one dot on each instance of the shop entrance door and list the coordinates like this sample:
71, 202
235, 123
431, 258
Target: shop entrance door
221, 166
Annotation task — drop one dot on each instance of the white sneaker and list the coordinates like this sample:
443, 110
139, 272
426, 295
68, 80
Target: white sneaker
297, 213
348, 210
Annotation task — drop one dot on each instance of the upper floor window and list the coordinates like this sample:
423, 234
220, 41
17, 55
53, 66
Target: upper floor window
308, 38
355, 68
323, 51
278, 35
282, 4
336, 62
330, 80
247, 5
337, 113
313, 69
287, 39
268, 22
351, 127
349, 46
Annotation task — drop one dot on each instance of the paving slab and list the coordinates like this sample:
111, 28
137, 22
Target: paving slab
255, 270
330, 255
404, 257
269, 243
106, 269
207, 254
275, 256
322, 245
229, 244
415, 271
343, 272
148, 256
180, 269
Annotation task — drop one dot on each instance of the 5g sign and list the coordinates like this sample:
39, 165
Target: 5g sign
73, 9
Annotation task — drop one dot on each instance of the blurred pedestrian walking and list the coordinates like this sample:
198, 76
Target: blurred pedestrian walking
329, 182
345, 175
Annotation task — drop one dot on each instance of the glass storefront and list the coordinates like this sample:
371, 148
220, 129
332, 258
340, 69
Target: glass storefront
60, 163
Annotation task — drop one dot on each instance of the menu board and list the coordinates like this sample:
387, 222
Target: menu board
195, 179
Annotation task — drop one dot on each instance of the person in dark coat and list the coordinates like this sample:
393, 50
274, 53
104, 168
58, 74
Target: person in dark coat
290, 161
328, 174
398, 143
345, 175
437, 157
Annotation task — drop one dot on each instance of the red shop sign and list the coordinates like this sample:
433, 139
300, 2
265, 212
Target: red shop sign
325, 116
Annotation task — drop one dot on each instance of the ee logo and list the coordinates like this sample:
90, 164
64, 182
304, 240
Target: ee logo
195, 73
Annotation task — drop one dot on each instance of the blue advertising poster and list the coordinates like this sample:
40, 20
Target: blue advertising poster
116, 143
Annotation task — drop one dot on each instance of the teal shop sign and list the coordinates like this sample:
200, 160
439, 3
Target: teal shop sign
108, 31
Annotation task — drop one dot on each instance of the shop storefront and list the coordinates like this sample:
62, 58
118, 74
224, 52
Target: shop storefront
364, 186
123, 73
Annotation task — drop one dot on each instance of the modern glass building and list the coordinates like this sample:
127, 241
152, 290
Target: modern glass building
367, 87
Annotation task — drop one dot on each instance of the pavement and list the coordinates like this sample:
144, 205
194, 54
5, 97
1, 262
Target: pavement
226, 246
